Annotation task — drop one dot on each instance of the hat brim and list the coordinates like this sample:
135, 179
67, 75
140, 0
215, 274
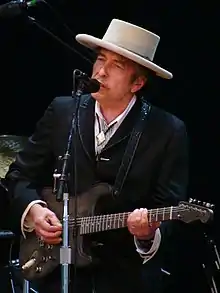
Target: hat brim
95, 43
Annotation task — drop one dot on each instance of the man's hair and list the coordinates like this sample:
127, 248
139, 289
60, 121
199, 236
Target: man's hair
143, 71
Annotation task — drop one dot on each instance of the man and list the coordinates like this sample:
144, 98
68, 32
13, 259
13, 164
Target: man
157, 177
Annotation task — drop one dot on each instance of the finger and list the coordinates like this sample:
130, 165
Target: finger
52, 241
135, 216
132, 214
54, 221
138, 215
140, 226
46, 234
144, 217
44, 224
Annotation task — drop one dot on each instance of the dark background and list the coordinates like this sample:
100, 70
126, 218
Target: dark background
35, 68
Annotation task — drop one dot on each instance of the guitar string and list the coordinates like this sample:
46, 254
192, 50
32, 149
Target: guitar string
115, 217
159, 212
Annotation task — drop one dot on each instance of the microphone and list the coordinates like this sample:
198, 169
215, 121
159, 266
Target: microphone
16, 7
92, 85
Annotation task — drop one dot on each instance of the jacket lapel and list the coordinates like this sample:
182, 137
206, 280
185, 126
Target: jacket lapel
126, 127
86, 121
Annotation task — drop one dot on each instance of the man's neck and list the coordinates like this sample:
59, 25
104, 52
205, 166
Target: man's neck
111, 111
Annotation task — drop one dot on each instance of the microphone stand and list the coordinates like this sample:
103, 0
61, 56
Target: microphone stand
62, 193
213, 263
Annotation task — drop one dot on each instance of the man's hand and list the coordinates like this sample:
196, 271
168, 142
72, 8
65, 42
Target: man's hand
139, 226
46, 224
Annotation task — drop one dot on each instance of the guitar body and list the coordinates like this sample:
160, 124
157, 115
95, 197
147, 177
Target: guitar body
44, 258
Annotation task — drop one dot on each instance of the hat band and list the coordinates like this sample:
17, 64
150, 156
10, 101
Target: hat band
142, 56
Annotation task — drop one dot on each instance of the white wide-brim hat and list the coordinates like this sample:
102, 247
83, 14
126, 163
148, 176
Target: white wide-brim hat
130, 41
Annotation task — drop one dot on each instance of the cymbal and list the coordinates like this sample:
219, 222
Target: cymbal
10, 145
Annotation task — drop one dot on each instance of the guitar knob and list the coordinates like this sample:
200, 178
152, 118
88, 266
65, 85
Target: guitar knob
44, 258
209, 205
41, 242
192, 200
49, 246
38, 269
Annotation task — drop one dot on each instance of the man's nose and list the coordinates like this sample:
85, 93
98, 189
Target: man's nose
102, 71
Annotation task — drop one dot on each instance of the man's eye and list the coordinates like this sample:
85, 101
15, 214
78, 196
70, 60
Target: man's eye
100, 58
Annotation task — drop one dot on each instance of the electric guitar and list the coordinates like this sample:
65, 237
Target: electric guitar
39, 259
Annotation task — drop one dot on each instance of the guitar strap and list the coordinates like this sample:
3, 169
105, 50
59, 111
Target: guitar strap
131, 149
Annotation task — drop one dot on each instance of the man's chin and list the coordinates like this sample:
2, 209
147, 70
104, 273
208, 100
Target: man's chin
97, 96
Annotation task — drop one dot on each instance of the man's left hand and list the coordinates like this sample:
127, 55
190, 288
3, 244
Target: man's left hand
139, 226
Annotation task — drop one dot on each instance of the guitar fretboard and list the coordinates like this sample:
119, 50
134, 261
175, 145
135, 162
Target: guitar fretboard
101, 223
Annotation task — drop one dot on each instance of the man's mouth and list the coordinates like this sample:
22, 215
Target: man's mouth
101, 83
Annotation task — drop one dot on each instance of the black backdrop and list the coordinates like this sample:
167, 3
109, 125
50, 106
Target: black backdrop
35, 68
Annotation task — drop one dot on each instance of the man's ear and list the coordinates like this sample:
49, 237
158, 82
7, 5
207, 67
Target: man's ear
138, 83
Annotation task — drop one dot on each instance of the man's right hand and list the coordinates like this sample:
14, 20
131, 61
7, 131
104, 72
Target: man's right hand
47, 226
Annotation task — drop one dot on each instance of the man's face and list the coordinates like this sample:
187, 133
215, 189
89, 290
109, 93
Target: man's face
117, 77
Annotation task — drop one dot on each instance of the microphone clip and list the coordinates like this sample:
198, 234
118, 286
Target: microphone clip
83, 84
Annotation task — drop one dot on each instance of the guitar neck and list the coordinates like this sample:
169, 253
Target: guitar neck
107, 222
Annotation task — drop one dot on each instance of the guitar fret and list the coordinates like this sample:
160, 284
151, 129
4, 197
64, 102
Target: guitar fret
119, 222
114, 223
86, 226
111, 222
82, 227
164, 210
92, 227
102, 222
106, 223
171, 213
97, 226
150, 216
157, 215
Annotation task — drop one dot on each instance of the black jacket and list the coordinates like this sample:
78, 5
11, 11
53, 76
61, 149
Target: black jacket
158, 176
